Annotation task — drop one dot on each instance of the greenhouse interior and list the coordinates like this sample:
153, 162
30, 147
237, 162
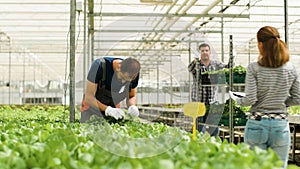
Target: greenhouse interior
48, 49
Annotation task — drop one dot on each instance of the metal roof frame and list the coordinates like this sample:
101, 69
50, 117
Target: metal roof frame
40, 28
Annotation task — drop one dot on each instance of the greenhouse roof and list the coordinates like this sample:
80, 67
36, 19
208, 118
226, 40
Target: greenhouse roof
34, 34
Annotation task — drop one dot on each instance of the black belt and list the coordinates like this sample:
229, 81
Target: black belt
259, 115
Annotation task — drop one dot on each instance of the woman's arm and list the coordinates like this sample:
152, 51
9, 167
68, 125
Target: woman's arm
294, 98
250, 88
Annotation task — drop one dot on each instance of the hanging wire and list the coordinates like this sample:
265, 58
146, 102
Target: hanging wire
100, 18
79, 30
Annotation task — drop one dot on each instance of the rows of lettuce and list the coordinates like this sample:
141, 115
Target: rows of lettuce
41, 137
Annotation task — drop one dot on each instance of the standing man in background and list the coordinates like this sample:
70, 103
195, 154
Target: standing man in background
202, 90
109, 81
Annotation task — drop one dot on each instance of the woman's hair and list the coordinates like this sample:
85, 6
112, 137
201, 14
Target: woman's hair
274, 52
131, 66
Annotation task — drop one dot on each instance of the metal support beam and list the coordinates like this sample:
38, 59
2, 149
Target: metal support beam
127, 49
286, 22
171, 15
91, 28
231, 124
72, 59
84, 44
146, 41
156, 31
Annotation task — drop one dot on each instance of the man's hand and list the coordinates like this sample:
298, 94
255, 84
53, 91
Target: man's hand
133, 111
116, 113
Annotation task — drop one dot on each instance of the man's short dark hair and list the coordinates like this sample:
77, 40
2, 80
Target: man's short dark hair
131, 66
204, 45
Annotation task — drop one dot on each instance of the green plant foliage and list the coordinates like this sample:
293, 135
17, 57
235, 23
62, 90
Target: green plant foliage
222, 76
239, 69
294, 110
38, 137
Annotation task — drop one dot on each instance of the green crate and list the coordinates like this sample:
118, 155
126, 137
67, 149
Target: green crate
238, 120
237, 77
218, 78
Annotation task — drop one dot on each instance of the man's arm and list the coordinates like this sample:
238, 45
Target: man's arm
192, 66
90, 98
132, 97
133, 111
